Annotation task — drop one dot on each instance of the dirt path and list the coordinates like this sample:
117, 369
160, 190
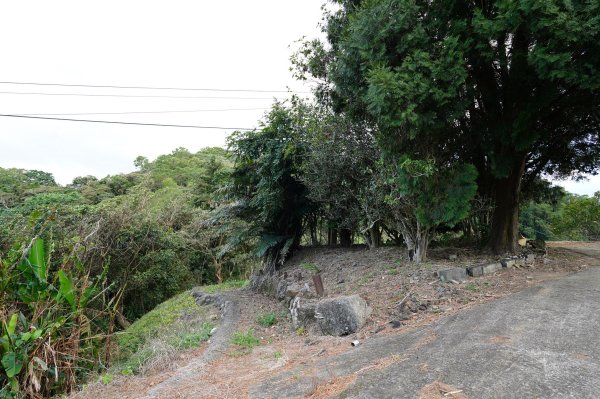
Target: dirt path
219, 342
589, 249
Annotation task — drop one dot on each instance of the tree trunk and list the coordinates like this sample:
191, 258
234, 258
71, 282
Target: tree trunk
314, 239
416, 238
318, 283
370, 239
504, 232
345, 238
417, 246
372, 236
331, 236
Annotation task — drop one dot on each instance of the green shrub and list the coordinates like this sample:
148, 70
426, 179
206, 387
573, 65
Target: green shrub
535, 221
137, 360
192, 340
245, 339
106, 378
267, 319
578, 218
311, 267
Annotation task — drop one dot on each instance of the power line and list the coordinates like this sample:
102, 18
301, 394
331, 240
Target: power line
145, 112
152, 88
123, 123
133, 95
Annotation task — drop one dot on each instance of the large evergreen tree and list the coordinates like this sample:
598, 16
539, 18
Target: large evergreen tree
509, 86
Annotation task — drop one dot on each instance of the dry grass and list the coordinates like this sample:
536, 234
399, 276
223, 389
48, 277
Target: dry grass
332, 387
499, 339
582, 356
439, 390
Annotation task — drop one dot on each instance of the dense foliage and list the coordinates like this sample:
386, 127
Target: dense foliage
114, 249
309, 171
510, 87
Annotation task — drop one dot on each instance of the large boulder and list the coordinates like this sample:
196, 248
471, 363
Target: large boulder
342, 315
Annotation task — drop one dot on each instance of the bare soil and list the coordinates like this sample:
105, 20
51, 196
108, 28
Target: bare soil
402, 296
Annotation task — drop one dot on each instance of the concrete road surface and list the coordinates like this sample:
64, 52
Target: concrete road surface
543, 342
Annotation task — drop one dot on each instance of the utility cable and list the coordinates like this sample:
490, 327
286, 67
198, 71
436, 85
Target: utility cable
144, 112
124, 123
152, 88
132, 95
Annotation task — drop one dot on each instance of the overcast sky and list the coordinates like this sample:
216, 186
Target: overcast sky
189, 44
226, 44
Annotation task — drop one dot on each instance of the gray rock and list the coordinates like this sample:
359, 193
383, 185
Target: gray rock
507, 263
475, 271
302, 312
297, 288
530, 258
452, 257
456, 274
491, 268
265, 284
483, 270
379, 329
282, 288
396, 323
203, 298
342, 315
